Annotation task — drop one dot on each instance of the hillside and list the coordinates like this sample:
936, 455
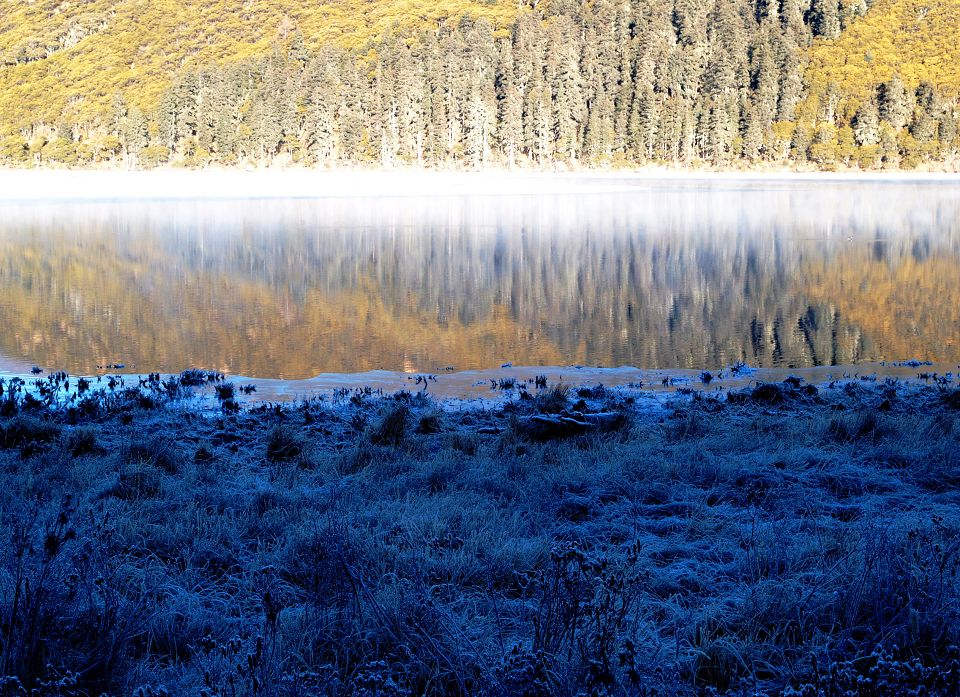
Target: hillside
67, 60
479, 83
916, 39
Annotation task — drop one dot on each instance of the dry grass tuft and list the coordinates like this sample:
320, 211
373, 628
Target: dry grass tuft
283, 444
392, 428
82, 441
24, 431
552, 400
160, 452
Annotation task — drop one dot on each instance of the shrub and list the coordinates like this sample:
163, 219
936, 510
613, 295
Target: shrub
597, 392
9, 405
196, 378
768, 393
527, 673
378, 679
38, 547
584, 601
230, 406
885, 672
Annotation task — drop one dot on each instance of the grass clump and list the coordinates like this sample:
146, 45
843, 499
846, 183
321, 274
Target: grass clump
430, 423
790, 390
203, 454
553, 399
686, 424
160, 453
136, 483
82, 441
951, 398
863, 424
28, 431
392, 428
283, 445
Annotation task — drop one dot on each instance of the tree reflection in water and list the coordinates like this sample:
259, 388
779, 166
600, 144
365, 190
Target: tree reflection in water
672, 274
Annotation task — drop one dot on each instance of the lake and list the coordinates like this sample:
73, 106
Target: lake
676, 273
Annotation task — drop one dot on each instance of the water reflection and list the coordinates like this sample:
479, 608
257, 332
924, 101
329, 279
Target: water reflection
666, 275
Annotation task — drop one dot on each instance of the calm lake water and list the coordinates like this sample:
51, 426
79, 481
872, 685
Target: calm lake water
675, 274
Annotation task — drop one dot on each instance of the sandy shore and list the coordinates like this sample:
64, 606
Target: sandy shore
37, 185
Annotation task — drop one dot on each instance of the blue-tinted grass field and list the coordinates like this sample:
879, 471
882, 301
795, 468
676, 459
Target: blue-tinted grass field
781, 539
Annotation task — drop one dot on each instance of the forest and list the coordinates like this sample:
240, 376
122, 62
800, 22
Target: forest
567, 85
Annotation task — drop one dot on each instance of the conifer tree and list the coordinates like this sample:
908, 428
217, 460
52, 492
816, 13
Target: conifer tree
894, 102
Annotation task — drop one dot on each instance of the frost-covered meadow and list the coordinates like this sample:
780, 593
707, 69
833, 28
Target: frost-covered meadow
778, 540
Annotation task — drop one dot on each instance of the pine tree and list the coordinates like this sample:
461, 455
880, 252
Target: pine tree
866, 124
134, 134
564, 78
895, 104
436, 141
510, 107
824, 18
481, 100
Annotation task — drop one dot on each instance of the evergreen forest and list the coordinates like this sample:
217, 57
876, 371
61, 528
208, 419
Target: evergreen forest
558, 84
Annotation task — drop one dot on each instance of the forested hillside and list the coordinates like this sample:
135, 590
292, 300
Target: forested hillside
915, 39
550, 83
62, 62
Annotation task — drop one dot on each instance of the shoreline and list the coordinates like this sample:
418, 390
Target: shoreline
31, 186
495, 385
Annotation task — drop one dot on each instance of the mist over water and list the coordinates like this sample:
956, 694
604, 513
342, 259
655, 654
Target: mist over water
679, 273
